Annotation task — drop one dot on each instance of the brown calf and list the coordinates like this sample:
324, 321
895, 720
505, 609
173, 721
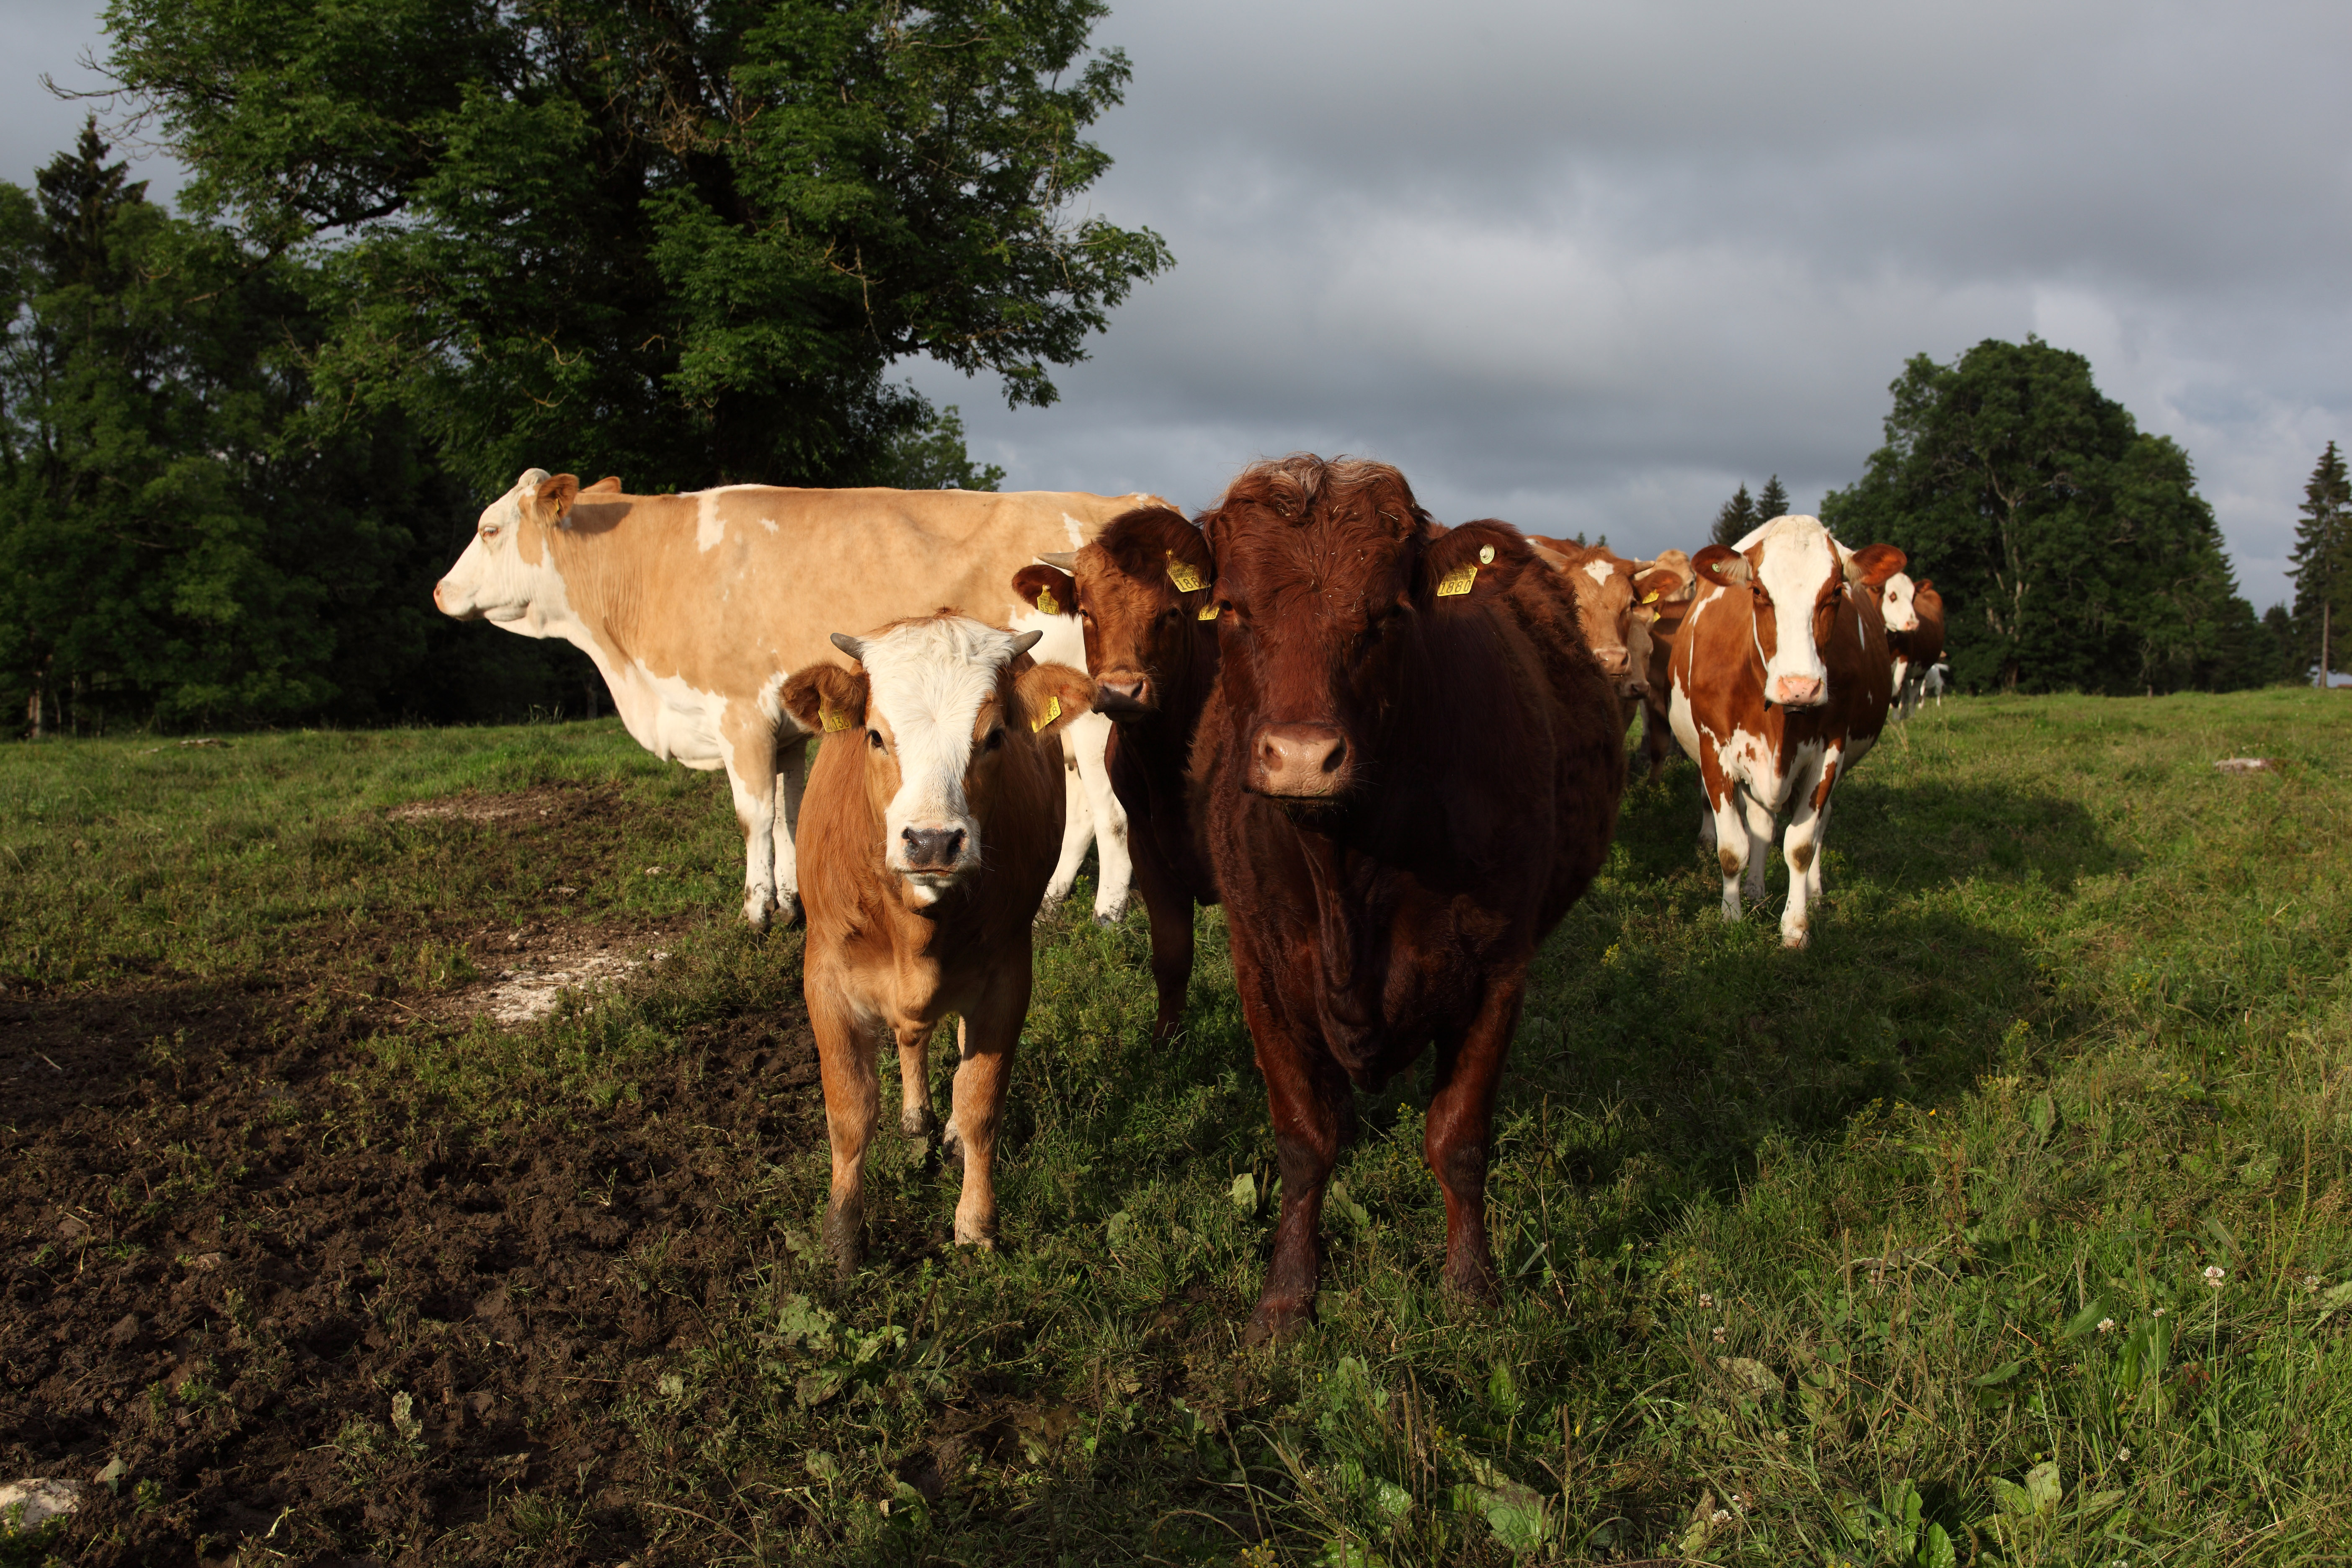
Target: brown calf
1408, 770
1662, 591
1141, 593
1780, 680
930, 825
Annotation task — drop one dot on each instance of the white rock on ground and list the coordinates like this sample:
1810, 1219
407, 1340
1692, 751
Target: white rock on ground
29, 1504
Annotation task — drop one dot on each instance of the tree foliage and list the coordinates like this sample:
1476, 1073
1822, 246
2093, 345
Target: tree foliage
1734, 520
2072, 550
682, 242
2323, 564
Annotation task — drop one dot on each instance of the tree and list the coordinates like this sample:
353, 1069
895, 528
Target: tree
1734, 519
2322, 565
2073, 551
1772, 501
934, 458
681, 242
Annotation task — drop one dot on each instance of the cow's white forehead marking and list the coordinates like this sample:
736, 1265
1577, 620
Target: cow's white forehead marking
1796, 558
929, 680
1598, 571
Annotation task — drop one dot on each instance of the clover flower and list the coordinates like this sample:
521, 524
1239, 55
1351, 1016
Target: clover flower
1704, 1302
2106, 1325
2215, 1274
1721, 1332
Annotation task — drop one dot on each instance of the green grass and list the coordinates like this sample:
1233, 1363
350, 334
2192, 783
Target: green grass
1888, 1252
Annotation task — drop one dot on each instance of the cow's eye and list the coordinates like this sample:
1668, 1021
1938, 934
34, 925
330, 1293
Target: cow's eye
874, 739
490, 531
995, 739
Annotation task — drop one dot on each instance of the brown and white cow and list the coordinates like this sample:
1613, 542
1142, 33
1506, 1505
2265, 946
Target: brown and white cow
1605, 598
927, 833
1409, 769
696, 607
1781, 680
1662, 591
1917, 647
1140, 590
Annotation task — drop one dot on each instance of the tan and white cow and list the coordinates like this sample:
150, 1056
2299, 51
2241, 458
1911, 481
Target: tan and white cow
928, 832
698, 607
1781, 680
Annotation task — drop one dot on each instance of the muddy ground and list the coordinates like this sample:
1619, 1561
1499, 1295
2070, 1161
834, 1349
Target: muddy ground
295, 1331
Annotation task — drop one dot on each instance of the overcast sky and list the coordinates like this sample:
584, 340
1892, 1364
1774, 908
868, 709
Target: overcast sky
1588, 267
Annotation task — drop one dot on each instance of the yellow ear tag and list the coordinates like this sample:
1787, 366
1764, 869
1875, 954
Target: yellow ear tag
1048, 603
1651, 597
1457, 580
1186, 579
835, 722
1052, 711
1485, 555
1208, 611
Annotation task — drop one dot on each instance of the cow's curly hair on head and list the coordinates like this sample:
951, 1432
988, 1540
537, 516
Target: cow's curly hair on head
1293, 487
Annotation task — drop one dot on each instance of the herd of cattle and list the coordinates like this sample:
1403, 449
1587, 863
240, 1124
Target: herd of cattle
1393, 750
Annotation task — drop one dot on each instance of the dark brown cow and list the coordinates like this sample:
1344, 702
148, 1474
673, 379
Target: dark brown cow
1141, 593
1781, 683
929, 827
1916, 651
1409, 770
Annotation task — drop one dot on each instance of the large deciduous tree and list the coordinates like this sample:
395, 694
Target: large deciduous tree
2072, 550
679, 241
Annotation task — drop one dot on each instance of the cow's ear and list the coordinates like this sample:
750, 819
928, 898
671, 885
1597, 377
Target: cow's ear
1873, 564
826, 697
1047, 696
1044, 588
1723, 566
1923, 585
609, 485
1656, 585
1474, 560
551, 498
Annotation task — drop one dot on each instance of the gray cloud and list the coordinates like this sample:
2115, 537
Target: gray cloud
1589, 266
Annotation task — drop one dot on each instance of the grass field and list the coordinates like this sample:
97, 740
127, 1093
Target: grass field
2011, 1223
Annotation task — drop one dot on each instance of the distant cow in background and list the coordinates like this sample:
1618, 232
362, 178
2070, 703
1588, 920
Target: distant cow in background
1602, 582
1409, 768
1918, 648
1662, 591
1780, 680
698, 607
1142, 591
929, 832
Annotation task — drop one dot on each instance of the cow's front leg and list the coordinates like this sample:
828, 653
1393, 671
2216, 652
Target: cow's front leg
985, 1038
1759, 823
1457, 1140
1802, 848
853, 1101
1168, 904
752, 780
1721, 829
791, 782
1306, 1093
1114, 863
916, 1118
1078, 826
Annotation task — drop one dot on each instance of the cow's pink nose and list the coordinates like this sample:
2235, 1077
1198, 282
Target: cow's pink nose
1299, 761
1797, 691
1612, 659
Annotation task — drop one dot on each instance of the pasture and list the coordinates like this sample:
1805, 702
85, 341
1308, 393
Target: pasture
1893, 1251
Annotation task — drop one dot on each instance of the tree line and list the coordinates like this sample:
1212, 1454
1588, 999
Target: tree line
427, 243
2071, 548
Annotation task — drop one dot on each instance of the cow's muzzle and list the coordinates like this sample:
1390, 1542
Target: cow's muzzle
1800, 691
1124, 694
1299, 761
931, 850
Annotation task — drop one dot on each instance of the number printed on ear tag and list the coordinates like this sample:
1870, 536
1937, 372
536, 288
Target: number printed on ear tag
834, 721
1209, 612
1048, 603
1052, 711
1186, 578
1457, 580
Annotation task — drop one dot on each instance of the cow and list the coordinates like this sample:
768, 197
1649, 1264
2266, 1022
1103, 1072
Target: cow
1918, 648
1604, 583
1408, 770
1663, 592
696, 609
1780, 684
929, 831
1141, 590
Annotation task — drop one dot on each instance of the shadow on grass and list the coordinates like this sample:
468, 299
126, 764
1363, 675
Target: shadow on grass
1911, 834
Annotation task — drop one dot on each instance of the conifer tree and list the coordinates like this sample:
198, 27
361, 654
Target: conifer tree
1737, 518
1772, 501
2323, 564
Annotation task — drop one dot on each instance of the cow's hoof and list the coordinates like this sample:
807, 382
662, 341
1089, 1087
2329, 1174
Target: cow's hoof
1278, 1317
1472, 1285
841, 1240
755, 915
1110, 914
788, 913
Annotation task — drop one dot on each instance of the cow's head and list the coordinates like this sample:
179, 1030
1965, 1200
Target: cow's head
505, 574
1896, 606
1604, 585
1327, 576
1795, 579
1143, 590
937, 703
